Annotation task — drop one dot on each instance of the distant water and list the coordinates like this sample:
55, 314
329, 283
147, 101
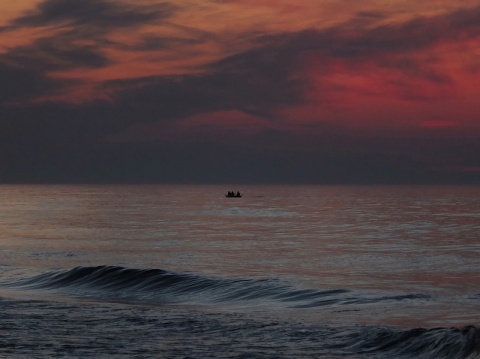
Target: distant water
283, 272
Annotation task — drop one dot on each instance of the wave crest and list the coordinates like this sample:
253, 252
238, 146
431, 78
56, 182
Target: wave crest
163, 286
435, 343
166, 286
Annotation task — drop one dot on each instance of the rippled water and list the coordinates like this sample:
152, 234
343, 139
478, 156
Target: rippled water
284, 271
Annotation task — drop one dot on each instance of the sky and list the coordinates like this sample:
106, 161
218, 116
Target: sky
240, 91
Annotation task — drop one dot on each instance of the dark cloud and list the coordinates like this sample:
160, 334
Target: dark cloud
270, 75
60, 143
342, 41
388, 46
247, 82
19, 84
155, 42
65, 144
414, 69
419, 33
467, 19
57, 53
186, 36
100, 15
25, 69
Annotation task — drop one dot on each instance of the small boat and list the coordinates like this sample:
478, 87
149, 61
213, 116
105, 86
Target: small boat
233, 195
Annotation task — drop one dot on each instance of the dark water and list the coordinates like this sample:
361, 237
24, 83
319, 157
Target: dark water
284, 272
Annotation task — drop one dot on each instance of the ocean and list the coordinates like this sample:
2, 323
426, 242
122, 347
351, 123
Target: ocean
160, 271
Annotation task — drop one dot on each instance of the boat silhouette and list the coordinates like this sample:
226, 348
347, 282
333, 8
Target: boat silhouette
233, 195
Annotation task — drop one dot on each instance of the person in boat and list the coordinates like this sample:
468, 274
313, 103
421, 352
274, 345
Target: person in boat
232, 194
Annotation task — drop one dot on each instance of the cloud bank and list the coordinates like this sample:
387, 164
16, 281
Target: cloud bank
128, 91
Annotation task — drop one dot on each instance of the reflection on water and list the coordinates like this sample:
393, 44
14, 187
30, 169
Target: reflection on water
400, 239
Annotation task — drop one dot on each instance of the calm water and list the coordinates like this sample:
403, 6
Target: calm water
284, 272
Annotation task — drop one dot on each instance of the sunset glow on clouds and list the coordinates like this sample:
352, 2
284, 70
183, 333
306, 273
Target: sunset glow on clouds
384, 90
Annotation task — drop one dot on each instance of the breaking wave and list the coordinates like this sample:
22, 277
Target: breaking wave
161, 286
434, 343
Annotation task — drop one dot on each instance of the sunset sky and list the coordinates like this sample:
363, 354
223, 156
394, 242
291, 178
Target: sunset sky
240, 91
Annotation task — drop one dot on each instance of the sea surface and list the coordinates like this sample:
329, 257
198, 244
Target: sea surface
155, 271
